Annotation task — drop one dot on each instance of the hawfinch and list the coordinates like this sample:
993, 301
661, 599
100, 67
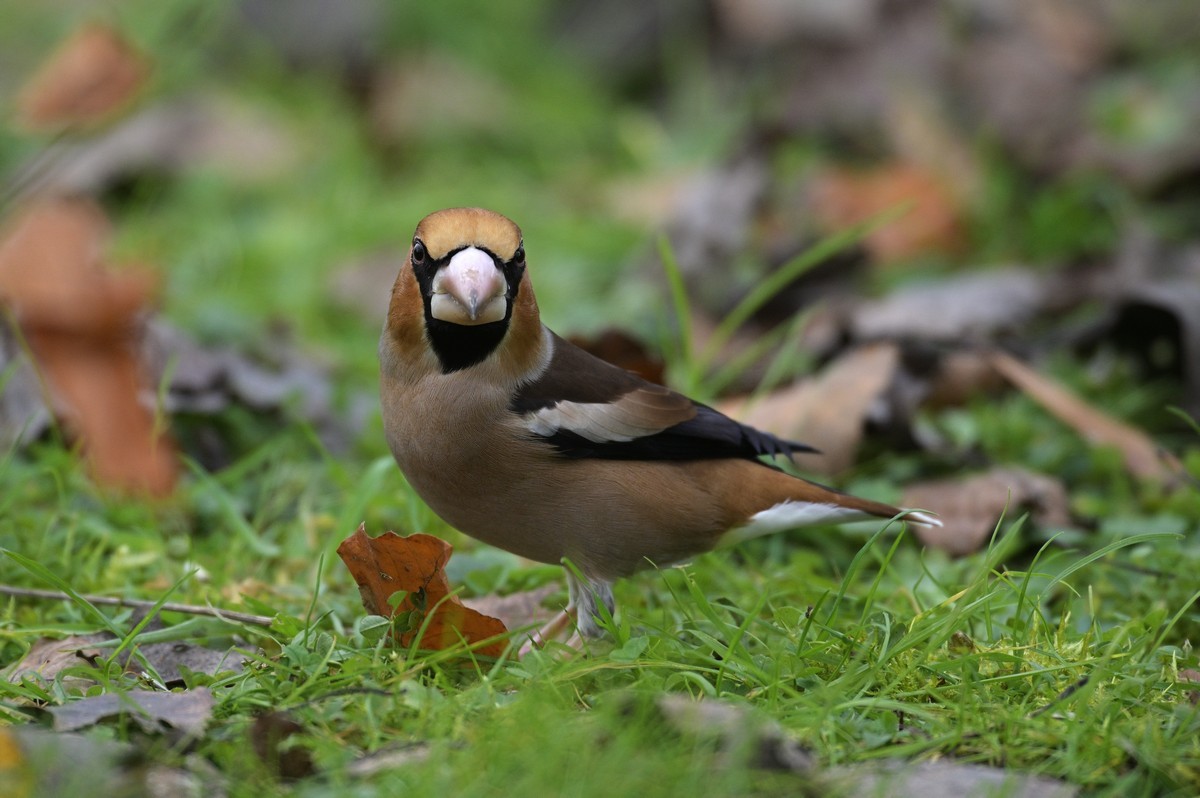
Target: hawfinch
522, 440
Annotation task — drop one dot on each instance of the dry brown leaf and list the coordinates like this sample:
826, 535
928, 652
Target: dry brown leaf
48, 658
932, 223
516, 610
829, 411
188, 710
970, 508
416, 565
1143, 458
91, 76
79, 319
622, 349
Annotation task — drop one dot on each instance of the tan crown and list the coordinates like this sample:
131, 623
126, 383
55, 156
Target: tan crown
452, 228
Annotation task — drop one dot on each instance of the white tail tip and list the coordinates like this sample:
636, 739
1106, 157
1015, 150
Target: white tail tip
921, 518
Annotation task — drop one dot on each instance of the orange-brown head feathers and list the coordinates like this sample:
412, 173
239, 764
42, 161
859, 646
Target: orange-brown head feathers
464, 295
442, 232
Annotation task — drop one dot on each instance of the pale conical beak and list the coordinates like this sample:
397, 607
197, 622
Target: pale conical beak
470, 289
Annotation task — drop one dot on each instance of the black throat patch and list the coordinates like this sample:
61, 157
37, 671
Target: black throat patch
460, 346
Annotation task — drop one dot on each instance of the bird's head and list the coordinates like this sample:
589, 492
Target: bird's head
464, 291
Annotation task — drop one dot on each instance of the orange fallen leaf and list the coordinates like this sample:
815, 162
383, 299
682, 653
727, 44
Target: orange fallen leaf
79, 319
1143, 457
416, 564
91, 76
933, 222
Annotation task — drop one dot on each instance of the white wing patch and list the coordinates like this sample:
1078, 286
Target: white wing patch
598, 422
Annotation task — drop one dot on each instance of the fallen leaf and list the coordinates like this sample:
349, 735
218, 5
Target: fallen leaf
978, 306
415, 564
1143, 458
91, 76
829, 411
516, 610
622, 349
969, 508
187, 711
47, 658
169, 659
80, 321
932, 223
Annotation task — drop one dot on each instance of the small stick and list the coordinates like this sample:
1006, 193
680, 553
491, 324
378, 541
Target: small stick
141, 604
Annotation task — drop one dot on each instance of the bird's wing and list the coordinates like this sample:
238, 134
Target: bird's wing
586, 407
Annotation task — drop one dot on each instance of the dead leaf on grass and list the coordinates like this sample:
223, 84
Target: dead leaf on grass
47, 658
170, 659
622, 349
1143, 457
415, 565
829, 411
187, 711
970, 508
932, 223
516, 610
80, 321
978, 305
92, 75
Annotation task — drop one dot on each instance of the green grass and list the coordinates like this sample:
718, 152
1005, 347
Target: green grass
1054, 651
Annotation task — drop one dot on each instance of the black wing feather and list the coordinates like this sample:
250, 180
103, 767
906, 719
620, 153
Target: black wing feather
577, 376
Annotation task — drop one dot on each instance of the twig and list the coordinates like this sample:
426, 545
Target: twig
141, 604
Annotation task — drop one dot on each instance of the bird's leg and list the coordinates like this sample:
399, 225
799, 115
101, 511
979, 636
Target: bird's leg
587, 594
583, 608
552, 629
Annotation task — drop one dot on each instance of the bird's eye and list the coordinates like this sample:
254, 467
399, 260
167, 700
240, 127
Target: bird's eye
519, 255
418, 253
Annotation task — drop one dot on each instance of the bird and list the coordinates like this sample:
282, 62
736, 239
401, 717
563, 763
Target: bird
522, 440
